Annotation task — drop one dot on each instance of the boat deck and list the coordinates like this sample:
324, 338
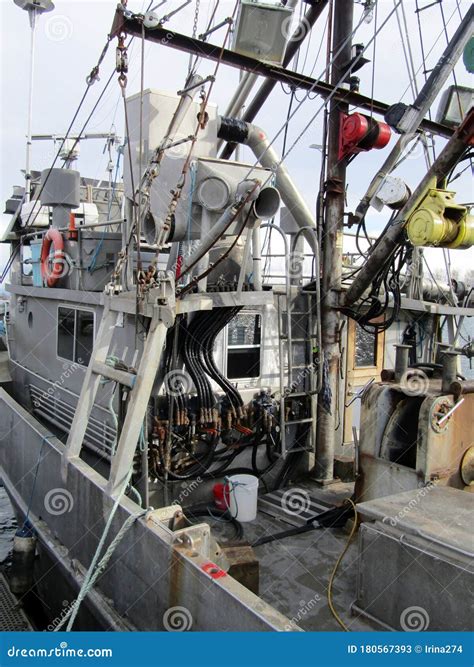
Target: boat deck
295, 571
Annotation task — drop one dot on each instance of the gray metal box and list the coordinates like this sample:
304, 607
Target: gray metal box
415, 564
262, 30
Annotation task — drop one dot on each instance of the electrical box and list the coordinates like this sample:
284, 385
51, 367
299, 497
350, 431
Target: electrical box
262, 31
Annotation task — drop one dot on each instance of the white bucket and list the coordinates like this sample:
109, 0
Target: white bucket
243, 492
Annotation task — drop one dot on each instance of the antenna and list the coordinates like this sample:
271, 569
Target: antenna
34, 8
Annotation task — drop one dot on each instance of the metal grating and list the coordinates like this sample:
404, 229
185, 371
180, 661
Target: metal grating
12, 616
294, 506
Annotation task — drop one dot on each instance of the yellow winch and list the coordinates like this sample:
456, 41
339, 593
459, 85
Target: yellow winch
439, 221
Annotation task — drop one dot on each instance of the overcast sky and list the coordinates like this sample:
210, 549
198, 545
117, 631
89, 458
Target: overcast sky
70, 39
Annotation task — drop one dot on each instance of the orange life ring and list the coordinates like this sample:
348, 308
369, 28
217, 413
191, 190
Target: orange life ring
52, 236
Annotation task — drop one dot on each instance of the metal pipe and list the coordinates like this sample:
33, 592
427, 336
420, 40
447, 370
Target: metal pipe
239, 98
302, 31
175, 40
391, 239
459, 387
257, 257
450, 370
256, 139
32, 16
330, 354
401, 361
425, 98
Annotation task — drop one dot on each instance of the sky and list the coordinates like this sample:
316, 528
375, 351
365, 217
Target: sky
70, 39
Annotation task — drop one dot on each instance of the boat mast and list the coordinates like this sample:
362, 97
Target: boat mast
34, 8
332, 250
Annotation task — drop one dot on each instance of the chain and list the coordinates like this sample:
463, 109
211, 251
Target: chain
196, 17
195, 26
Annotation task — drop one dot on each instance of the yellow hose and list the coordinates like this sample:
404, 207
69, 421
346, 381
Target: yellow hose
333, 574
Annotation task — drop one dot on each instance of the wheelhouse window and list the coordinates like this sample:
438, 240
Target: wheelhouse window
365, 348
75, 334
243, 346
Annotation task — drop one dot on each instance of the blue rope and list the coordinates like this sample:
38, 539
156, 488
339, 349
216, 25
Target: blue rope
26, 530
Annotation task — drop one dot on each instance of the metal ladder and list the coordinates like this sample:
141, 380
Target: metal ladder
140, 386
313, 306
308, 373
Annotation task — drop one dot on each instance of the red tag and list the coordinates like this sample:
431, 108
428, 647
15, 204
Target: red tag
213, 571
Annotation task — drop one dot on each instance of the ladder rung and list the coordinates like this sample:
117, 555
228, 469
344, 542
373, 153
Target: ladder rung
299, 421
298, 449
111, 373
297, 312
298, 340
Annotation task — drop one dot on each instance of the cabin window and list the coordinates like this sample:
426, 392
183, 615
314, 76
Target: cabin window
75, 334
243, 346
365, 348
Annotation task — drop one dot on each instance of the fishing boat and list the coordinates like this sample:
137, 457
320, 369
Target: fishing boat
211, 386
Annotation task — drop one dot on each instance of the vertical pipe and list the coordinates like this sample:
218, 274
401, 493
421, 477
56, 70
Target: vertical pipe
332, 250
450, 369
32, 17
257, 257
401, 360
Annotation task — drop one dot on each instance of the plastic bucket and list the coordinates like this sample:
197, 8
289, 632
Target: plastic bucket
243, 492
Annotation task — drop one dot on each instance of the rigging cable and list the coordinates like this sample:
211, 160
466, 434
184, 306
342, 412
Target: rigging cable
328, 98
90, 80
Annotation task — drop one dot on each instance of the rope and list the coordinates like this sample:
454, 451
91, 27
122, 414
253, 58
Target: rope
336, 567
90, 577
38, 463
73, 611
